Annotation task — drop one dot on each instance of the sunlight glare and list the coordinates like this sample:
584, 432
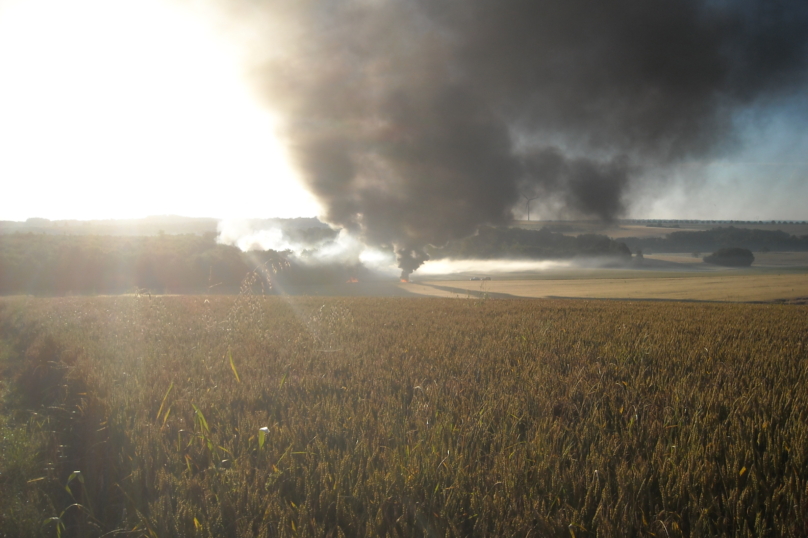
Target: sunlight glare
127, 109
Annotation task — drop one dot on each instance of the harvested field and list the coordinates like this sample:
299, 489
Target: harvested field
732, 288
779, 260
617, 231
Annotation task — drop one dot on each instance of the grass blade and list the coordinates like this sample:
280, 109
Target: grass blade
233, 366
200, 418
171, 386
165, 417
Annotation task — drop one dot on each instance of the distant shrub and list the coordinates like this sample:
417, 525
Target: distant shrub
731, 257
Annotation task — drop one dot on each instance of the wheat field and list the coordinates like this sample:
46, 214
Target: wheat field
276, 416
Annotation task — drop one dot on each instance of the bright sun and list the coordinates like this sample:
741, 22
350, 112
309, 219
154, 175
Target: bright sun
125, 109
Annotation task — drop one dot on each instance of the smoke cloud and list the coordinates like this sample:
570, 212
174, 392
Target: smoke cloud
306, 242
416, 121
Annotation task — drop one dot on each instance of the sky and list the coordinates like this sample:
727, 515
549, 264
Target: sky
123, 109
113, 109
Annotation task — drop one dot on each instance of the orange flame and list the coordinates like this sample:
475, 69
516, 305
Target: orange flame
353, 280
406, 280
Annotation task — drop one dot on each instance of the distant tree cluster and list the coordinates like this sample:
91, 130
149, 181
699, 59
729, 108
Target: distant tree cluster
56, 265
718, 238
502, 242
731, 257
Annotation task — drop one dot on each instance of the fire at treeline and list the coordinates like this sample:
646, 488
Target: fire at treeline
50, 264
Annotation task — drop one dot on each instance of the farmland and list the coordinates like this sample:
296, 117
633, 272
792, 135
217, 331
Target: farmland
775, 276
780, 277
634, 229
671, 286
276, 416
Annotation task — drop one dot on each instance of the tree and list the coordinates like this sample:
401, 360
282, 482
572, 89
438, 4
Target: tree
731, 257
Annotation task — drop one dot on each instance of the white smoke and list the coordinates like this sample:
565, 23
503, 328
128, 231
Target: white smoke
347, 249
344, 249
244, 235
489, 267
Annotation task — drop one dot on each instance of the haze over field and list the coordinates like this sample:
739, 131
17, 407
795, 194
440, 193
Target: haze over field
409, 123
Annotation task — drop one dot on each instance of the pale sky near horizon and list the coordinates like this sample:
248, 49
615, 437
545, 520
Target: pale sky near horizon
118, 109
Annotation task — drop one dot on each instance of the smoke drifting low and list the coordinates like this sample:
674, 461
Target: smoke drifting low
307, 243
495, 267
414, 122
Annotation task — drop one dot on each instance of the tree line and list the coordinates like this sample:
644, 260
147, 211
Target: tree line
42, 264
503, 242
718, 238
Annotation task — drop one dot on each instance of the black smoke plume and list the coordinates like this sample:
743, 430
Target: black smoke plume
416, 121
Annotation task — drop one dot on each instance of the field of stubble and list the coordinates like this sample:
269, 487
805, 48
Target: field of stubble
265, 416
625, 285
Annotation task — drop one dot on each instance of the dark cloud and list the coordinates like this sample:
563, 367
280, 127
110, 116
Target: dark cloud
416, 121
